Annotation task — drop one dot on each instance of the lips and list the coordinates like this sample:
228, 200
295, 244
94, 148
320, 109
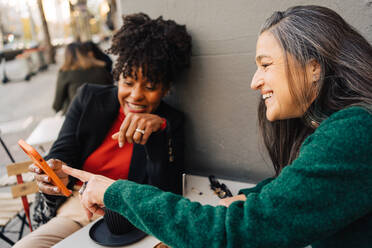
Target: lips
267, 95
136, 108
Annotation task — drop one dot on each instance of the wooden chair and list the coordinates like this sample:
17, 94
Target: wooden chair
16, 203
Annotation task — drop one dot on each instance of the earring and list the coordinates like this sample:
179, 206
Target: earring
315, 79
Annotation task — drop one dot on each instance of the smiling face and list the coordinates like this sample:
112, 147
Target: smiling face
139, 96
272, 80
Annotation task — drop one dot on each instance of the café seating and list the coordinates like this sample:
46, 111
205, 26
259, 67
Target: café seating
15, 204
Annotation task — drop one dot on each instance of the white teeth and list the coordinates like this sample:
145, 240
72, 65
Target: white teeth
132, 106
267, 95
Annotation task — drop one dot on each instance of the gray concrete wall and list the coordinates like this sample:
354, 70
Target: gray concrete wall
222, 135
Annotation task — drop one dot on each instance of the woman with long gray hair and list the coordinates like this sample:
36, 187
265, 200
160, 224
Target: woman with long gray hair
314, 73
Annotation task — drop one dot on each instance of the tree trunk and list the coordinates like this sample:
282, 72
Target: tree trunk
47, 42
73, 27
79, 22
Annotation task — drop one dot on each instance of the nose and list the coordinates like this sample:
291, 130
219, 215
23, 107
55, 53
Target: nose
257, 81
136, 92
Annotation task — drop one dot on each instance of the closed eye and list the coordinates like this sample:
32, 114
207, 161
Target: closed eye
150, 87
265, 65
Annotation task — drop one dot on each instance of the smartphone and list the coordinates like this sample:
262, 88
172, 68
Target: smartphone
42, 164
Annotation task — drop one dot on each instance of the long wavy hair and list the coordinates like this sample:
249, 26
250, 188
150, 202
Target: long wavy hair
308, 33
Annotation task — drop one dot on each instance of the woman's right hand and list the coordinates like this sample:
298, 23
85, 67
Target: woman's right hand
43, 180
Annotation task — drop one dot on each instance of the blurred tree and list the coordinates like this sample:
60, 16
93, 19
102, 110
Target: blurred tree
79, 15
111, 20
73, 26
1, 33
47, 41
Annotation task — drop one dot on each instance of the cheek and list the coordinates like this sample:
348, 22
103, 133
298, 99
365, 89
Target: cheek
154, 99
122, 94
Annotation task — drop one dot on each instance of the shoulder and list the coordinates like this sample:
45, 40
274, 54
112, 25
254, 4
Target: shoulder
94, 91
169, 112
63, 74
351, 113
345, 135
96, 69
353, 122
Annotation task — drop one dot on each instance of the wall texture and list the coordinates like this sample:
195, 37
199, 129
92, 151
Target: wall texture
222, 135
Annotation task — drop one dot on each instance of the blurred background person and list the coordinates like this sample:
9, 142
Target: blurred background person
96, 52
79, 67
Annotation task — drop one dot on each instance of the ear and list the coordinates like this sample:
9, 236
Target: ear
314, 70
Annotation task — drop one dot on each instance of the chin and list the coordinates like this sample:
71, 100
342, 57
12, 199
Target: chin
270, 117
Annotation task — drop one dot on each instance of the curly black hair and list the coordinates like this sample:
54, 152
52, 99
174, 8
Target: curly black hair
162, 48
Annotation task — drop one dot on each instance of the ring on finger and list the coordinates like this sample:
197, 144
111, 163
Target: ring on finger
81, 190
140, 130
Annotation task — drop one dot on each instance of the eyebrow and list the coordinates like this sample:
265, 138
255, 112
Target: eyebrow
259, 57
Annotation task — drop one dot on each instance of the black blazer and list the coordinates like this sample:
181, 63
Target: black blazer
88, 121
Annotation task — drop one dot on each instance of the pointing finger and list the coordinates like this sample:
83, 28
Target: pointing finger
79, 174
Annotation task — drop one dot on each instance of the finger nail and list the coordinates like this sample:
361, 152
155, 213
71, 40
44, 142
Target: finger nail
120, 144
37, 170
56, 189
46, 178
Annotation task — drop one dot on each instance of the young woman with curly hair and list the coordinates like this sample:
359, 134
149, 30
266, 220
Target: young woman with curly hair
314, 74
121, 132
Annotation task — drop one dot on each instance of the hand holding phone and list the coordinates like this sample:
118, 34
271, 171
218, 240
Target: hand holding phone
42, 165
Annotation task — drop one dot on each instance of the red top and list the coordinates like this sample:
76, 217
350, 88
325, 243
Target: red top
108, 159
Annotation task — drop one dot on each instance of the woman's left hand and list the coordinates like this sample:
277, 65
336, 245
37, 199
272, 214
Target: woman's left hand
92, 197
137, 128
227, 201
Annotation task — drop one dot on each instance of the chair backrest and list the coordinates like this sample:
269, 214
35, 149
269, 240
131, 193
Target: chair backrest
21, 189
12, 203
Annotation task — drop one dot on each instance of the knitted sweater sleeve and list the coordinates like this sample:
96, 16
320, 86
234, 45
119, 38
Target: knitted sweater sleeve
325, 189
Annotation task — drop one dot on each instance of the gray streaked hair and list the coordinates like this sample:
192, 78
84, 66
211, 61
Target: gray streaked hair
318, 33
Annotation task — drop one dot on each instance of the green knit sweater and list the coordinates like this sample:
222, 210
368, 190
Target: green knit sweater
324, 198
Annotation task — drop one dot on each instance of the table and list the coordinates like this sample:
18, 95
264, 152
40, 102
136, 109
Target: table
193, 185
46, 132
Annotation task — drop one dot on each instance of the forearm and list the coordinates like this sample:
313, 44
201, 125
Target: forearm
167, 216
179, 222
